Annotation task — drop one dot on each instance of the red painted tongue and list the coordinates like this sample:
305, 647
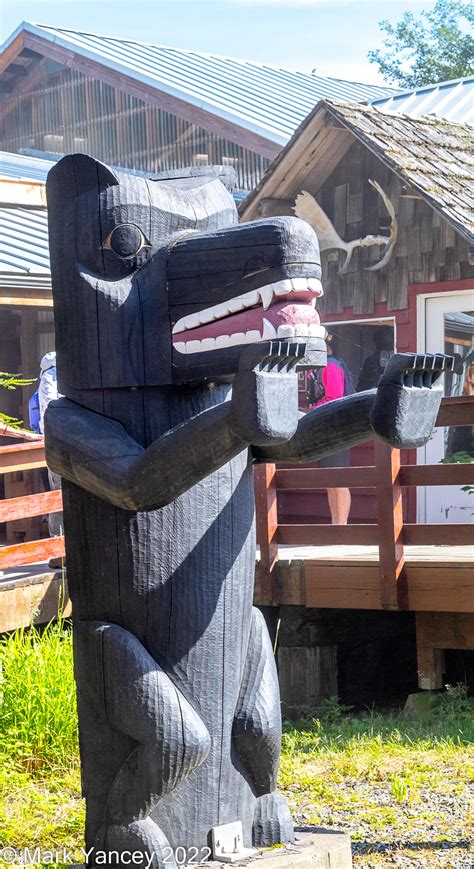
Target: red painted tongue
279, 314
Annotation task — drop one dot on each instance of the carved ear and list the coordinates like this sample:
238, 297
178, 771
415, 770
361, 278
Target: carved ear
78, 173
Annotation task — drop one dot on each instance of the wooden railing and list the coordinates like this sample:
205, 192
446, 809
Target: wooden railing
387, 476
390, 533
27, 457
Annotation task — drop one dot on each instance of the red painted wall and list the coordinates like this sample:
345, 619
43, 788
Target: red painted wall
312, 507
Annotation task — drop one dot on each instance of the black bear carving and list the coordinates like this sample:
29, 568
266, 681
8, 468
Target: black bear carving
178, 337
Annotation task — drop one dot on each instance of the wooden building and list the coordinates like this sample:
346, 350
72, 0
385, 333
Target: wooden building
150, 107
425, 289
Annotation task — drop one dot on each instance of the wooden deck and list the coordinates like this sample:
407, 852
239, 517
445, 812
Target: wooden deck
32, 594
389, 565
439, 578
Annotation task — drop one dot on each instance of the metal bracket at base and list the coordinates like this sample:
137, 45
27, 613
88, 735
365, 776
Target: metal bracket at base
228, 843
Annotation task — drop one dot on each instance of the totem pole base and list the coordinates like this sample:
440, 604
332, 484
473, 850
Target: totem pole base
324, 849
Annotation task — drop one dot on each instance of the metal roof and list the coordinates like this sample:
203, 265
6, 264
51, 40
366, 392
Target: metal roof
19, 167
24, 247
453, 100
264, 99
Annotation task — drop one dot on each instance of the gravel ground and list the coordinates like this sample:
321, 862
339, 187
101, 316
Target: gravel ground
431, 827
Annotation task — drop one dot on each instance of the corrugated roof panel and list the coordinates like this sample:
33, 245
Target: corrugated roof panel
265, 99
18, 167
24, 241
453, 100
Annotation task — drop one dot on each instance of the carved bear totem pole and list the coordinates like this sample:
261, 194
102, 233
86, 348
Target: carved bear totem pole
178, 337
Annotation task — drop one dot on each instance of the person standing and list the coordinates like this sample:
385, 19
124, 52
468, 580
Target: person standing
327, 384
48, 391
375, 364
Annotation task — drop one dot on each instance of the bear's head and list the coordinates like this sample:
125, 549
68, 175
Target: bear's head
154, 282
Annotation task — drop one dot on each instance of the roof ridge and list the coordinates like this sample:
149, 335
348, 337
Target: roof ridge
212, 54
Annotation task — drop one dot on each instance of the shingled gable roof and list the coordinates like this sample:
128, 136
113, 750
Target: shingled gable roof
433, 156
265, 101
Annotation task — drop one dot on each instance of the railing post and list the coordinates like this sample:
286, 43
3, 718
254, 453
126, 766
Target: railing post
393, 584
267, 526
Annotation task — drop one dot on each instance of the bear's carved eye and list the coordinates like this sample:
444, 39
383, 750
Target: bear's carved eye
126, 241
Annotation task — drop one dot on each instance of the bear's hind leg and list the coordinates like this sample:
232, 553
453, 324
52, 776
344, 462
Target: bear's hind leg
257, 737
122, 687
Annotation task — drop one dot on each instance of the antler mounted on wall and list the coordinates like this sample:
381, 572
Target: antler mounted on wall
308, 209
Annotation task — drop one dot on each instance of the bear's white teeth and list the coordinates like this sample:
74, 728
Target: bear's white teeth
264, 296
299, 330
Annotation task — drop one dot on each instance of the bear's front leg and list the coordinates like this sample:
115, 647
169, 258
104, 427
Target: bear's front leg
155, 740
257, 737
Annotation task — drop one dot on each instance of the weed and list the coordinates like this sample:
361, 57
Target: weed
38, 709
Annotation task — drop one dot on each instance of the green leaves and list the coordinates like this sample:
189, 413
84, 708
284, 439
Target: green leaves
436, 46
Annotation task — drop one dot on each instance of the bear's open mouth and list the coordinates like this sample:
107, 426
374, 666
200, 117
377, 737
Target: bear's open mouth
286, 309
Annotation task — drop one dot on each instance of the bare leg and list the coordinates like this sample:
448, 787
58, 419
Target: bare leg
339, 505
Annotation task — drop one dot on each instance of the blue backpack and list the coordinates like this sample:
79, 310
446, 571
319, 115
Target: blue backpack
34, 412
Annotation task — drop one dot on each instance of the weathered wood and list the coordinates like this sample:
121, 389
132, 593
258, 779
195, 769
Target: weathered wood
438, 534
437, 475
12, 51
314, 535
307, 676
30, 505
267, 523
30, 552
21, 457
393, 587
156, 449
22, 193
321, 478
427, 248
35, 600
436, 632
458, 410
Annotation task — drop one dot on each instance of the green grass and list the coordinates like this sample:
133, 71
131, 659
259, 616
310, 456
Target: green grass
394, 783
399, 786
40, 800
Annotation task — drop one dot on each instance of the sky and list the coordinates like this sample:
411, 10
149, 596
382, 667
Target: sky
330, 36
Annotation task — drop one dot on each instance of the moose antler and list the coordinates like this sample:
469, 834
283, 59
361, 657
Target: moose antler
308, 209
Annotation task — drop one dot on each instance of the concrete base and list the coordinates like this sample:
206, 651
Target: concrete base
321, 849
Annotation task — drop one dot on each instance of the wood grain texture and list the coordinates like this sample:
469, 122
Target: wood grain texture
177, 691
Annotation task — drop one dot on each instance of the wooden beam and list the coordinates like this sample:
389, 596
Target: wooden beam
27, 506
438, 586
393, 588
27, 83
13, 50
20, 299
22, 193
434, 633
22, 457
458, 410
440, 534
34, 601
321, 478
151, 95
267, 522
437, 475
325, 535
31, 552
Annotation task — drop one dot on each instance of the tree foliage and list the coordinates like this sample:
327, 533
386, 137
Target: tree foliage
12, 381
432, 47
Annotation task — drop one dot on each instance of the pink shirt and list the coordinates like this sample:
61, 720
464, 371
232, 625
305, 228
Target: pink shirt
332, 378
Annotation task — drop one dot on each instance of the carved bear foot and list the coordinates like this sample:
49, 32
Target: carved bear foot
272, 822
141, 836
